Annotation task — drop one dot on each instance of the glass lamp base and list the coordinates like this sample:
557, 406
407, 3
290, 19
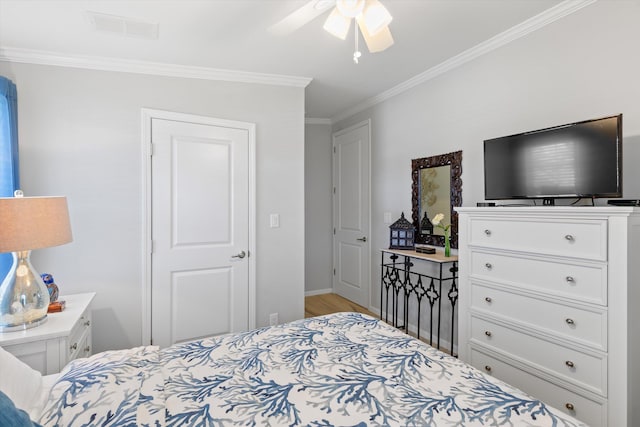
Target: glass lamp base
24, 298
23, 326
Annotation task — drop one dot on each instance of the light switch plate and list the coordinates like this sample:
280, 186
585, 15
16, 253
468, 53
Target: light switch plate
387, 217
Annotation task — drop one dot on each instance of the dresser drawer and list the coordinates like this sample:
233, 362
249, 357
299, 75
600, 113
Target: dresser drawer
584, 370
579, 281
587, 410
579, 239
586, 325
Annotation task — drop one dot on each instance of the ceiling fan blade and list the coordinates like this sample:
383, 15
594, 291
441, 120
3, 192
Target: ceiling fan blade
378, 42
300, 17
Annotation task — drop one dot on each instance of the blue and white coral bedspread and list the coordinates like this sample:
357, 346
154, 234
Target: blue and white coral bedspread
345, 369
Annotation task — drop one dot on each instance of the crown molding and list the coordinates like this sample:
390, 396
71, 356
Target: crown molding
317, 121
9, 54
541, 20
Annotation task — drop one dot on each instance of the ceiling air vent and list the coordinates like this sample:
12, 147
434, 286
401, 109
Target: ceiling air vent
121, 25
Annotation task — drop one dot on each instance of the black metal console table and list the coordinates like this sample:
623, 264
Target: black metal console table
401, 282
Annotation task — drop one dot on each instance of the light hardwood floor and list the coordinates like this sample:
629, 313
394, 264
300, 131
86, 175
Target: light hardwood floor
318, 305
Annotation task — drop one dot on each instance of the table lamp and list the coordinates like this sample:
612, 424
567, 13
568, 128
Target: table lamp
28, 223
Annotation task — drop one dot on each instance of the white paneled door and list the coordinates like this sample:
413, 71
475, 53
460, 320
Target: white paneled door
200, 230
351, 181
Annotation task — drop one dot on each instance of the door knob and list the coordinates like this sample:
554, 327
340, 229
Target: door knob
362, 239
240, 255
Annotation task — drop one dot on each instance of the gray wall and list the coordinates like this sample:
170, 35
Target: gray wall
318, 214
580, 67
80, 136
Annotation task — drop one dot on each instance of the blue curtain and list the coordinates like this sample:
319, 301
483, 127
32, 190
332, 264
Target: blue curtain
9, 174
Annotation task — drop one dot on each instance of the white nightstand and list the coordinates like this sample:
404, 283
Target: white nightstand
64, 337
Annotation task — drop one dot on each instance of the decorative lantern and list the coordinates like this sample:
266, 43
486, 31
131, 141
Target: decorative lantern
426, 226
402, 234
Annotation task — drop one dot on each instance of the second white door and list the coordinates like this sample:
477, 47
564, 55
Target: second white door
351, 180
200, 230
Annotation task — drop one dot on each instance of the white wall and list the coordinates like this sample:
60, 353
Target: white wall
80, 136
318, 208
580, 67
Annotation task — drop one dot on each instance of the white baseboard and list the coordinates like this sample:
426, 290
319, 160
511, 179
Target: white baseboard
318, 292
374, 310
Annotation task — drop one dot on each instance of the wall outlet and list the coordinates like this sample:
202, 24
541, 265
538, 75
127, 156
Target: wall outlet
274, 220
273, 319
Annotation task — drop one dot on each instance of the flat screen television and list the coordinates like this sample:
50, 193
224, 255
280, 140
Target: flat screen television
582, 159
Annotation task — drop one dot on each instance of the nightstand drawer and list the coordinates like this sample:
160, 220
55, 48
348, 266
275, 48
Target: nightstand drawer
579, 281
587, 410
84, 347
77, 339
585, 370
582, 239
587, 325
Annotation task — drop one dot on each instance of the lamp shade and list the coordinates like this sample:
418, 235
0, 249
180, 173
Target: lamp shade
28, 223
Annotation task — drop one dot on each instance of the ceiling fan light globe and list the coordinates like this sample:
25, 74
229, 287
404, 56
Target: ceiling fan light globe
375, 17
337, 24
378, 42
350, 8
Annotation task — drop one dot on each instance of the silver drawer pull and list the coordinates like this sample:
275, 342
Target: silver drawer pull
488, 299
569, 406
570, 321
570, 279
87, 349
74, 346
487, 368
489, 266
487, 333
87, 323
569, 237
487, 232
569, 363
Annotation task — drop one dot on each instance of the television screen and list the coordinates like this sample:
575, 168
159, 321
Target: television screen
581, 159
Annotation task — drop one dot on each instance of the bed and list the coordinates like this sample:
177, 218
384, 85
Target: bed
345, 369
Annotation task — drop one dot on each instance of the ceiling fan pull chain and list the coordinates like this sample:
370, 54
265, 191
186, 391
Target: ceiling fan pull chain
356, 54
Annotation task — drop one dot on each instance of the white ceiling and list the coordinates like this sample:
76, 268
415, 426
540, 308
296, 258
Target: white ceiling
232, 35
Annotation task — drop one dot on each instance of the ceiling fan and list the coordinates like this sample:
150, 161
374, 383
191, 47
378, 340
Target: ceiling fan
371, 16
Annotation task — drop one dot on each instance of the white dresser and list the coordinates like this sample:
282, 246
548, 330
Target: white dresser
550, 302
63, 337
